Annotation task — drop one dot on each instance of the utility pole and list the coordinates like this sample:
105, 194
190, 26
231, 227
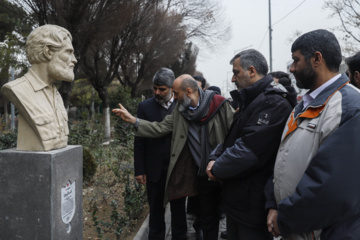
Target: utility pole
270, 36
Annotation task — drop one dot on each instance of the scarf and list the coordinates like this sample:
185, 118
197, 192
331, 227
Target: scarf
209, 103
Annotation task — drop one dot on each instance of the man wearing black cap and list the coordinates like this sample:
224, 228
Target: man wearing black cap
152, 156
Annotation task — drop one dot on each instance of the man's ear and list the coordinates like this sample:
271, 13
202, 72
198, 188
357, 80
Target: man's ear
188, 92
357, 77
48, 53
252, 71
317, 58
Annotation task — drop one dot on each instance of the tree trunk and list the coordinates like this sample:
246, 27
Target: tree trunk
103, 95
107, 130
92, 107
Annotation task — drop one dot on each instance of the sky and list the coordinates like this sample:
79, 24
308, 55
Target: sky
250, 23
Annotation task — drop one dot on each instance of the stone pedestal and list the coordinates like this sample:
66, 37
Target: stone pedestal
41, 194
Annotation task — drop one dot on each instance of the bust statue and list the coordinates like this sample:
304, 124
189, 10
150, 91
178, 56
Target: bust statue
43, 120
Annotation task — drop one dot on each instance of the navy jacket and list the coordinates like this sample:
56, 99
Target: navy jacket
246, 158
151, 155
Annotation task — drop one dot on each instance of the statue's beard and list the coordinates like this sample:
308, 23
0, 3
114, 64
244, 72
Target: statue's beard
59, 71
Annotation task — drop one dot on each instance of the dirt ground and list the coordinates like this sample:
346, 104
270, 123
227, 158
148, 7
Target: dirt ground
102, 195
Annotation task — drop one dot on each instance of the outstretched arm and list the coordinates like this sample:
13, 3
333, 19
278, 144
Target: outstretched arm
124, 114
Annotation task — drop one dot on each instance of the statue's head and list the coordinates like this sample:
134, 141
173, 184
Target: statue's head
51, 45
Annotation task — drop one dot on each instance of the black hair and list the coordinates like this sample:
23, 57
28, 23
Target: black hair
353, 63
322, 41
200, 79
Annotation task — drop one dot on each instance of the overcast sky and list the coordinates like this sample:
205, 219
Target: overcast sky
250, 21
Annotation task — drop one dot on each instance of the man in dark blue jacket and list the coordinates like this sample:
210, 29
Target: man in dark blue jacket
152, 158
246, 158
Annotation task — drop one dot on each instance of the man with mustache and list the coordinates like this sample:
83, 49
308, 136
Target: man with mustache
315, 191
199, 122
245, 160
151, 160
43, 118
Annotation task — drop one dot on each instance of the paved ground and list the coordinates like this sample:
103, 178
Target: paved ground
191, 231
143, 231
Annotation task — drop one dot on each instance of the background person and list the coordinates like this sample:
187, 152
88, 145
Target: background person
201, 81
354, 69
284, 79
152, 157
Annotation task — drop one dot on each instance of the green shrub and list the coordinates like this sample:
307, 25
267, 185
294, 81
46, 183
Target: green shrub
89, 165
8, 140
89, 135
124, 132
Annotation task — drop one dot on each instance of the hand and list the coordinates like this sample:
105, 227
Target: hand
208, 170
272, 223
124, 114
141, 179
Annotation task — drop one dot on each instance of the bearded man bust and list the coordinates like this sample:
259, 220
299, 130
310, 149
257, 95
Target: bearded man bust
43, 120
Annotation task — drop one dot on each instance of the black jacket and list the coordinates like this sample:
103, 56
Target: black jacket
246, 158
151, 155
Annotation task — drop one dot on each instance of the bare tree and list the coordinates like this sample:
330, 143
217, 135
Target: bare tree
205, 22
187, 61
128, 39
348, 12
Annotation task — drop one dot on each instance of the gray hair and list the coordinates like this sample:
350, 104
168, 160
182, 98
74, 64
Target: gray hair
189, 82
164, 76
51, 36
252, 57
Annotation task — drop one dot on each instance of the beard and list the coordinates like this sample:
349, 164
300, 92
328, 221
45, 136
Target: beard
60, 71
160, 99
305, 78
184, 104
352, 80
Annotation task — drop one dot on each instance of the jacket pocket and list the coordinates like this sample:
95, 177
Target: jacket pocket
46, 126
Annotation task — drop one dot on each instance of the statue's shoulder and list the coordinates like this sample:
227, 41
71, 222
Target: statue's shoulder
19, 82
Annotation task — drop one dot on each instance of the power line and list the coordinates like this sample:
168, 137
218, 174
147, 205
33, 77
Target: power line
280, 21
263, 39
289, 13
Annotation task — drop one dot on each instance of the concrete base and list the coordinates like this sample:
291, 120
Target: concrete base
41, 194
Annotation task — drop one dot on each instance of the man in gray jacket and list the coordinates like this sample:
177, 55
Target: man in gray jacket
316, 174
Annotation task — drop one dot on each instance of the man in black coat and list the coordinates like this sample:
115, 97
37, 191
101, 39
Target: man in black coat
152, 158
245, 160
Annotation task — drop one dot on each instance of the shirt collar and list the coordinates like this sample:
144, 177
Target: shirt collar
168, 103
309, 97
194, 108
35, 81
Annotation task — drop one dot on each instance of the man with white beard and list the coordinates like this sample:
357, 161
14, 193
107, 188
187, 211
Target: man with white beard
199, 122
42, 116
